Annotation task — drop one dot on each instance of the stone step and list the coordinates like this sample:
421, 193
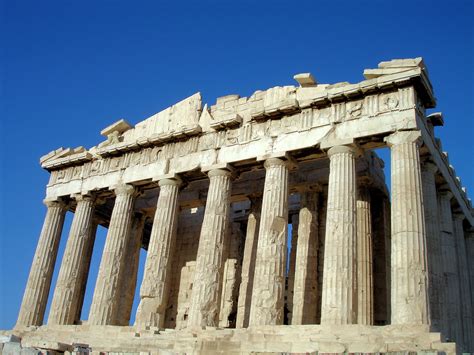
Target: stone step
277, 339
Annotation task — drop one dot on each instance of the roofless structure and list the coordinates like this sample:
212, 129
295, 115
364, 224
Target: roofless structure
209, 192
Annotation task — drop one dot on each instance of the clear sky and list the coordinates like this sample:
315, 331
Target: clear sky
70, 68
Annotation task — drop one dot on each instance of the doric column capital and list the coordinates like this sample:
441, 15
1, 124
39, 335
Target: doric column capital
220, 169
220, 172
340, 149
55, 203
83, 197
447, 194
271, 162
428, 165
402, 137
124, 189
176, 181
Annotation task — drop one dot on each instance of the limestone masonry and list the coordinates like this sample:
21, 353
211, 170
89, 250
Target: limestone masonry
210, 193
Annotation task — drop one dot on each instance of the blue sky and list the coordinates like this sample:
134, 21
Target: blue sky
70, 68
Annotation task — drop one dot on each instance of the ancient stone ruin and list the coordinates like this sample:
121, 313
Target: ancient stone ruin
210, 193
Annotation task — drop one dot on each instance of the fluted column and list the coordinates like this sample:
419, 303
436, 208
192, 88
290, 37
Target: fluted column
433, 248
270, 265
365, 282
41, 272
291, 266
380, 256
305, 295
339, 298
67, 294
469, 240
409, 303
470, 259
248, 265
464, 283
205, 298
85, 271
106, 299
322, 211
451, 297
157, 276
231, 277
387, 216
129, 278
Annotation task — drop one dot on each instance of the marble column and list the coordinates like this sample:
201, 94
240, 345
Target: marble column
85, 271
205, 297
231, 277
387, 216
292, 263
365, 281
380, 256
67, 294
339, 297
305, 295
248, 264
433, 248
469, 240
323, 197
154, 290
129, 278
270, 266
409, 291
41, 272
106, 299
464, 282
451, 297
470, 259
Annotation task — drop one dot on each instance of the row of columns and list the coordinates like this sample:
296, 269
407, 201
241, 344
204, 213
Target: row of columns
347, 295
451, 290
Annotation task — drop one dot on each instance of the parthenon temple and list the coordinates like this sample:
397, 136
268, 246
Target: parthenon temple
268, 225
